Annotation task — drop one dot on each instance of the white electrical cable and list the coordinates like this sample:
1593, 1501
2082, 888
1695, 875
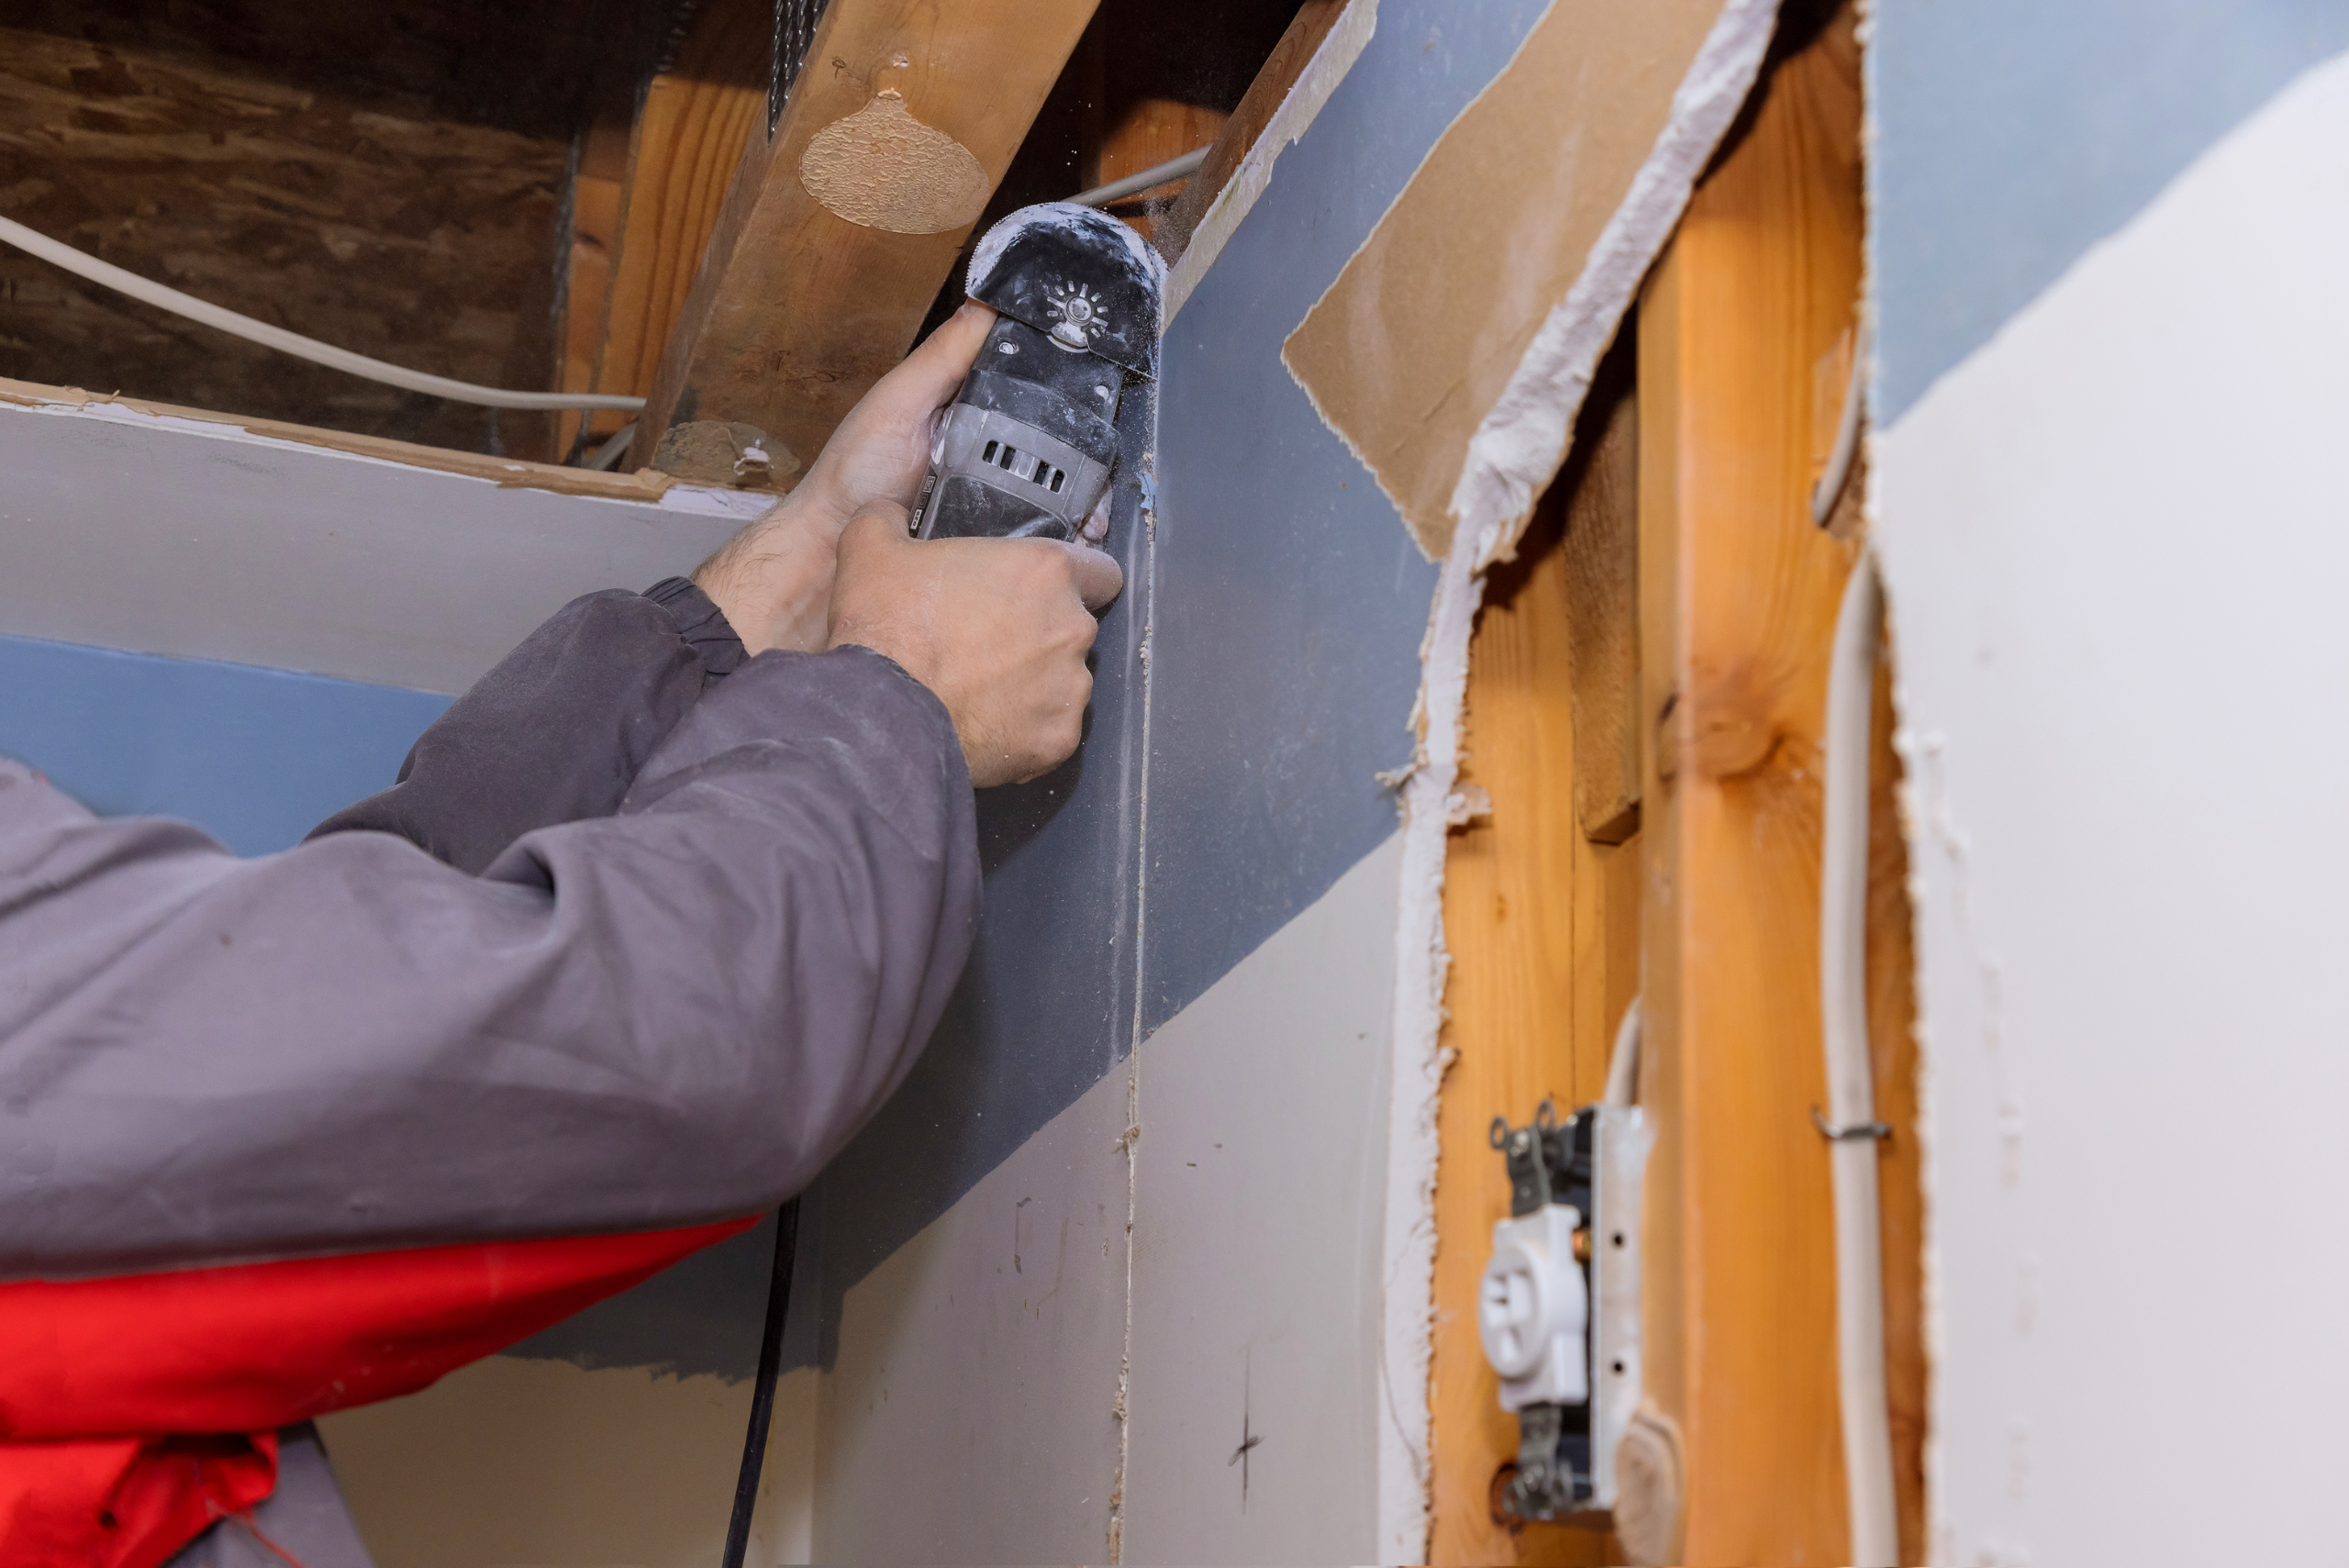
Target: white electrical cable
1852, 1128
1173, 168
613, 447
1838, 473
108, 276
1623, 1067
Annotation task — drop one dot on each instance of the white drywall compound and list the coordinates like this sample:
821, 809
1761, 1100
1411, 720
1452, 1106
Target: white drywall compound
2116, 538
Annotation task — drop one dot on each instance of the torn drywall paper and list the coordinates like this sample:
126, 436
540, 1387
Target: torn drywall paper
1515, 447
1415, 341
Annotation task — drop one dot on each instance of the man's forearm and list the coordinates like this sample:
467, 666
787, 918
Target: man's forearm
675, 1013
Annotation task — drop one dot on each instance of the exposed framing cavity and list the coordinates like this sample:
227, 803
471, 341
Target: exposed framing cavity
1517, 448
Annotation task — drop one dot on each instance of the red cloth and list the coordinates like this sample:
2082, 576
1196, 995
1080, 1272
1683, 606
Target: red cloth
136, 1410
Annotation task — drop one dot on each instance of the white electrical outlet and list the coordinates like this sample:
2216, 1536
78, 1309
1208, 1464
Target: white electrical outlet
1533, 1310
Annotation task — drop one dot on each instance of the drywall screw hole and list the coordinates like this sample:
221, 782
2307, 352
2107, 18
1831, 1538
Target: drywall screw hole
1619, 1239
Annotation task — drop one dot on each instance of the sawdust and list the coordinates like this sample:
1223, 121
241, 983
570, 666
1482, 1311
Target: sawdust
881, 168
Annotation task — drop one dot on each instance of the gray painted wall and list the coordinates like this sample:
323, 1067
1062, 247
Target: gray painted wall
1291, 600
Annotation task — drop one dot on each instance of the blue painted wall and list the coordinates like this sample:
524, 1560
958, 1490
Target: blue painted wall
2011, 135
254, 757
1285, 603
1292, 601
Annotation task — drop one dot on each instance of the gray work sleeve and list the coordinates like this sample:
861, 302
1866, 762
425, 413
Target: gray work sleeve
558, 731
671, 1015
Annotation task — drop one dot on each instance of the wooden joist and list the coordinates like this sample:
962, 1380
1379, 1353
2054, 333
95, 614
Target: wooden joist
698, 115
797, 309
1739, 592
1541, 922
597, 195
1173, 228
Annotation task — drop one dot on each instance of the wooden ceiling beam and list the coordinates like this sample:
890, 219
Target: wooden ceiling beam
1173, 230
695, 117
804, 299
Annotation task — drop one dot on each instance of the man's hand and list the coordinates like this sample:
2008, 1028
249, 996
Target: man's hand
774, 580
997, 627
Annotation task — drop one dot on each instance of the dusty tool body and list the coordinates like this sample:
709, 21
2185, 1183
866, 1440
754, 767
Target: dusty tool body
1026, 447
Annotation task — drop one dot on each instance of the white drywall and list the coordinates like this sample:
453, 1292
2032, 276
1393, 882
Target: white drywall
510, 1462
1257, 1223
970, 1415
123, 529
2117, 541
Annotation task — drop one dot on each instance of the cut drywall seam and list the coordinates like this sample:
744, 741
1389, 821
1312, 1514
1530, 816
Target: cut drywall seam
1314, 85
1124, 1411
1517, 448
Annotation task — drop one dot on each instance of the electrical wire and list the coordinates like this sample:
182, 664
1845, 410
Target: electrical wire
615, 447
107, 275
754, 1443
1159, 175
1623, 1066
1850, 1126
1838, 473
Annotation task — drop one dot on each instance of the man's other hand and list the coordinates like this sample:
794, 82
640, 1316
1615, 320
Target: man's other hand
774, 580
997, 627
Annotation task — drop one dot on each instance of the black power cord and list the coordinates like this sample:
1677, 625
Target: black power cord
754, 1443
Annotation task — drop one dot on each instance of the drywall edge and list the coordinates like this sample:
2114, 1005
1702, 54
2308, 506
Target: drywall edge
1330, 61
1517, 447
646, 487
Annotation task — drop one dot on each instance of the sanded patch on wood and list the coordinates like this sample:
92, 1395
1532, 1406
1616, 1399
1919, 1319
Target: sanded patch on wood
881, 168
796, 311
1414, 342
